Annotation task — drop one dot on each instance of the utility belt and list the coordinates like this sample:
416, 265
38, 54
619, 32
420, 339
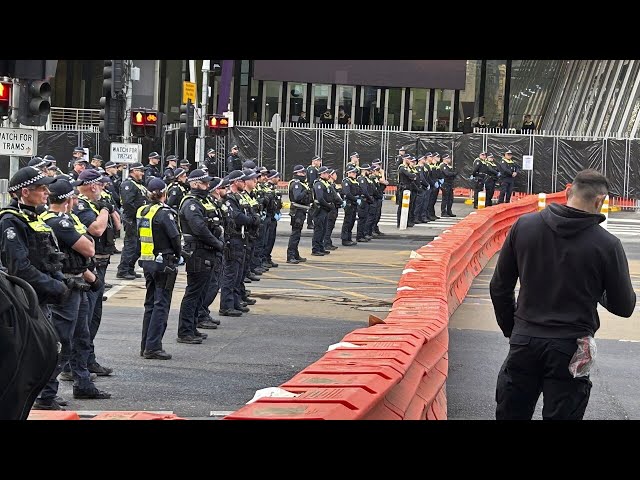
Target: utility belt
298, 205
101, 260
72, 275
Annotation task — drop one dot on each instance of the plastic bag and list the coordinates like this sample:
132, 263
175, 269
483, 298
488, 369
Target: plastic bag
584, 358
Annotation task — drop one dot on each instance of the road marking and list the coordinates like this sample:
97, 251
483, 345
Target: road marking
632, 341
326, 287
220, 413
351, 273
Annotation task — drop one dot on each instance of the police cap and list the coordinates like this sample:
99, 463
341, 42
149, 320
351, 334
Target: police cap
273, 174
198, 175
299, 169
155, 184
91, 176
249, 174
171, 158
154, 155
62, 188
235, 175
27, 177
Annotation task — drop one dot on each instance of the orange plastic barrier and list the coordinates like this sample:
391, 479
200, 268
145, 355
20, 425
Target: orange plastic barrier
398, 369
52, 415
126, 415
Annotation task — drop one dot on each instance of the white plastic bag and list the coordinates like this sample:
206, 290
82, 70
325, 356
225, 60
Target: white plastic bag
584, 358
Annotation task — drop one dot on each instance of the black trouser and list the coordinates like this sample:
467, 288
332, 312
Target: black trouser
331, 223
490, 188
505, 190
319, 230
412, 206
478, 187
311, 217
256, 257
371, 218
297, 222
270, 239
94, 316
540, 365
348, 222
447, 198
232, 274
157, 303
433, 198
199, 269
378, 215
422, 198
363, 214
130, 250
212, 290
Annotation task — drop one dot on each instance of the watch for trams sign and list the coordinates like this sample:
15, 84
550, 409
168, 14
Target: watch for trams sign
126, 152
18, 142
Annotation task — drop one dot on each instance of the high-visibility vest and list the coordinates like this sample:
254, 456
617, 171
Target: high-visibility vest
36, 225
145, 230
77, 224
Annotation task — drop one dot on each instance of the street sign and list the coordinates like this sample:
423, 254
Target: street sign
188, 92
527, 162
276, 122
18, 142
229, 116
126, 152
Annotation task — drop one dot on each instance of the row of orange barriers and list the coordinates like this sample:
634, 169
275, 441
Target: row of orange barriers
397, 369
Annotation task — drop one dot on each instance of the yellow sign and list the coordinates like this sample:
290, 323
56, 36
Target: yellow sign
188, 92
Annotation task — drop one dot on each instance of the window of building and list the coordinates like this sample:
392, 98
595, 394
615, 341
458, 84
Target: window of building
320, 103
419, 104
272, 100
443, 110
297, 93
345, 107
494, 92
370, 106
394, 105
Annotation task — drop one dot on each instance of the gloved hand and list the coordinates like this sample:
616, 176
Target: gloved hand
105, 204
255, 220
359, 201
263, 216
76, 283
181, 261
344, 203
96, 285
277, 216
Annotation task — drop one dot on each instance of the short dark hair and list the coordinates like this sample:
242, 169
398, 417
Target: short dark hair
589, 183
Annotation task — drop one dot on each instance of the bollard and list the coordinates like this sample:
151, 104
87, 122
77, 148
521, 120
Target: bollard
482, 196
404, 213
542, 201
605, 211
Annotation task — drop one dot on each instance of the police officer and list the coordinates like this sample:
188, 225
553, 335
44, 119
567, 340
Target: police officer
28, 248
365, 213
70, 316
336, 200
300, 197
478, 175
79, 164
96, 162
438, 180
354, 159
113, 188
312, 176
53, 164
78, 152
234, 162
382, 183
202, 242
218, 192
211, 162
248, 200
169, 173
261, 193
406, 177
160, 249
238, 219
423, 190
39, 163
508, 171
492, 175
177, 189
185, 165
102, 221
449, 175
133, 194
324, 204
152, 169
273, 210
352, 197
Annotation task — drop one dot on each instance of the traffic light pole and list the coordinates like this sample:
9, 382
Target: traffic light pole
127, 108
14, 161
203, 110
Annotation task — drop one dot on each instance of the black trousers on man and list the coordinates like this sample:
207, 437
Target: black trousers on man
199, 269
297, 222
131, 247
319, 229
447, 199
332, 216
348, 222
540, 365
506, 189
490, 187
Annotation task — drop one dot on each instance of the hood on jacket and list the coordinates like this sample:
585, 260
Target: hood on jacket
568, 221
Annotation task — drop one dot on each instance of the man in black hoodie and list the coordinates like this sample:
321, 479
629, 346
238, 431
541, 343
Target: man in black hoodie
566, 264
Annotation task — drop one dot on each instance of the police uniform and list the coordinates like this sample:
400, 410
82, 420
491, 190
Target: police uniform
213, 167
479, 175
365, 221
70, 317
88, 211
507, 168
150, 170
238, 219
352, 196
234, 162
312, 176
133, 195
300, 197
160, 249
491, 178
449, 175
378, 174
438, 181
406, 177
176, 191
259, 194
336, 200
274, 206
323, 201
198, 225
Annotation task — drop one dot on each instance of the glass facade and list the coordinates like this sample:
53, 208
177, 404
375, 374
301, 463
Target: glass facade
395, 106
320, 104
272, 100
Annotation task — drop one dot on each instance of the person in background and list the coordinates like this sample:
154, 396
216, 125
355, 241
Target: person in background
528, 125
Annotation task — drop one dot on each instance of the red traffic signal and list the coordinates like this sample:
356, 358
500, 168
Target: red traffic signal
5, 98
144, 123
217, 122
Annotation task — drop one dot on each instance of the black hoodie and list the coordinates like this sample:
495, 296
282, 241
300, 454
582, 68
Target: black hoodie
566, 263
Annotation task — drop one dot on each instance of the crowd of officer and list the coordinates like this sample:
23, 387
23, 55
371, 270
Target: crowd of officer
488, 173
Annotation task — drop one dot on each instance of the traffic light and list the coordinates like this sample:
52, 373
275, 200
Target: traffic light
187, 112
145, 123
112, 116
217, 124
34, 103
5, 98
